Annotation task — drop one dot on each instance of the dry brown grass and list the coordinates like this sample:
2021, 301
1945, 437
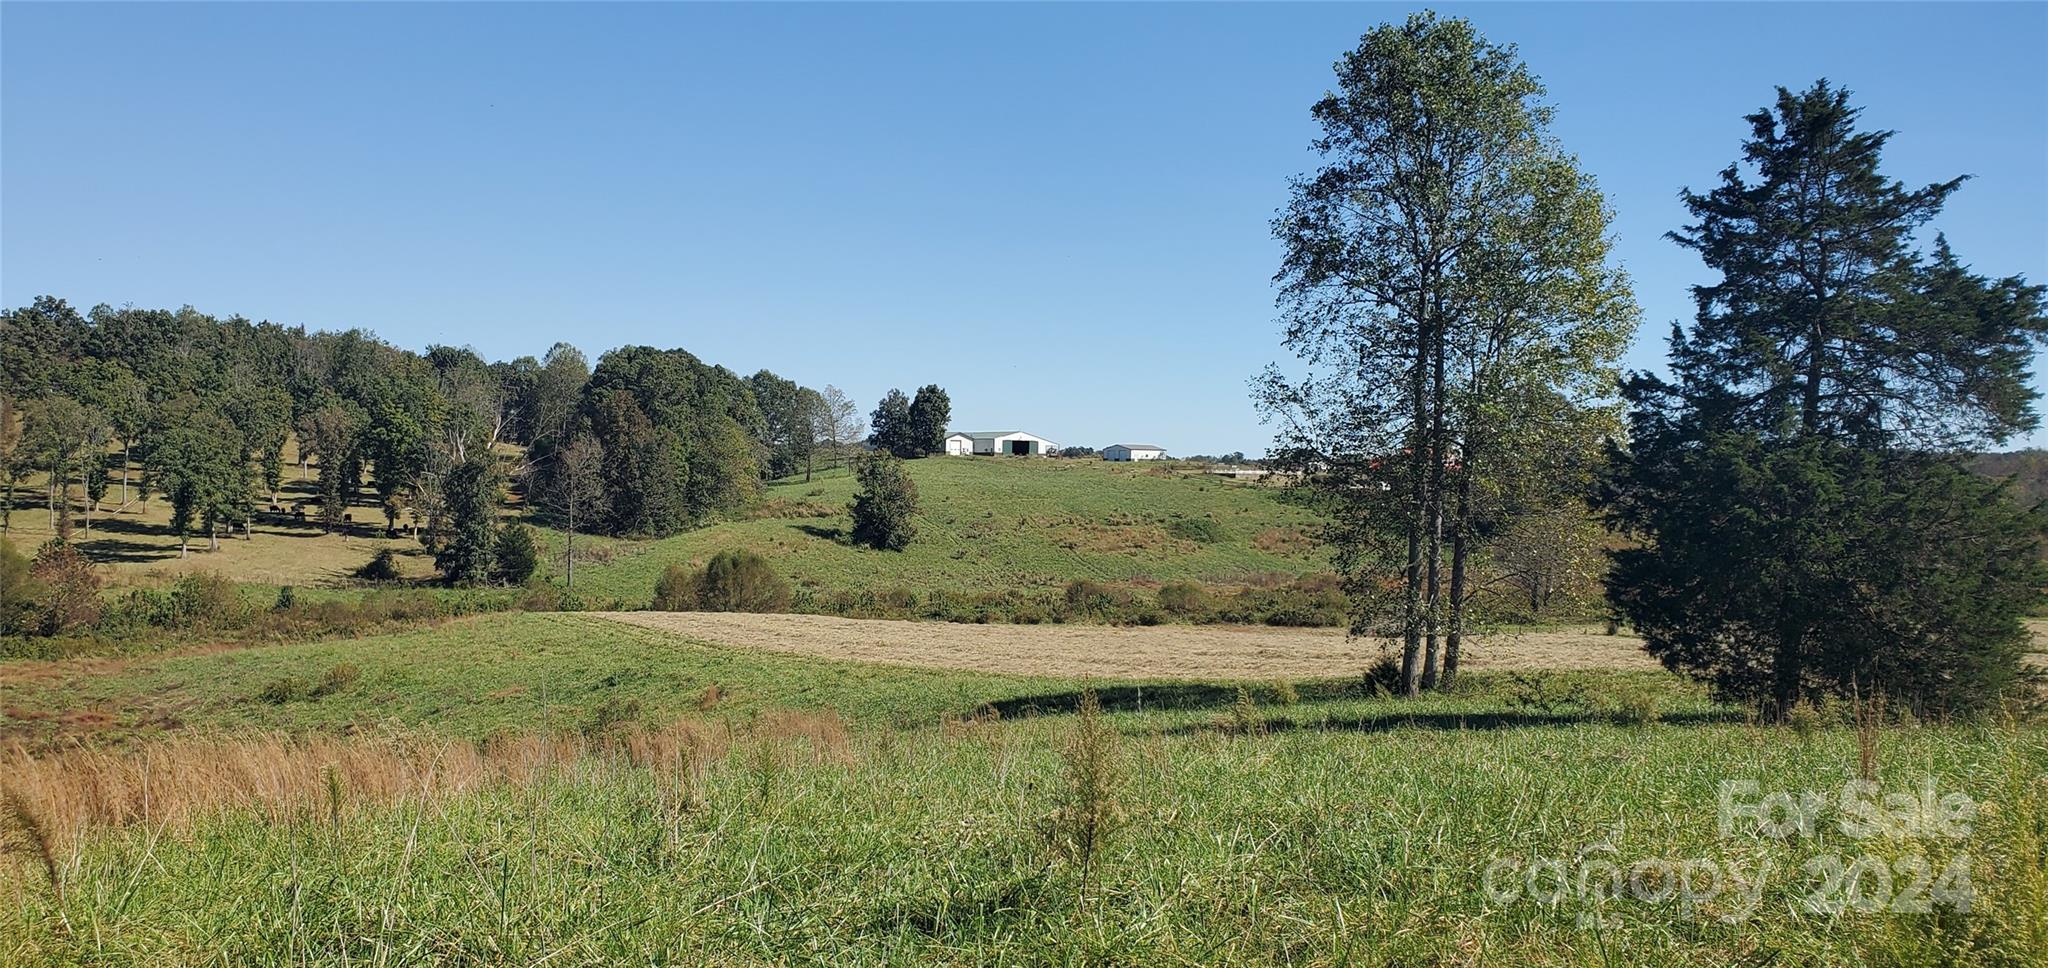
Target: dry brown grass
1195, 652
176, 782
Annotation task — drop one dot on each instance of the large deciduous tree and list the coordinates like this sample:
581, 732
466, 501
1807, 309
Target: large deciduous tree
198, 466
889, 427
1446, 283
1804, 524
930, 411
840, 426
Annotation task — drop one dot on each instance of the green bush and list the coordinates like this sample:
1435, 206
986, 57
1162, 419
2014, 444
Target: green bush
337, 679
283, 690
65, 590
518, 556
733, 581
1198, 530
287, 599
1183, 598
382, 567
19, 592
741, 581
204, 598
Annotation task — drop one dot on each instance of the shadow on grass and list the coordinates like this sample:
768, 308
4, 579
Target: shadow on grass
1184, 697
1160, 697
1452, 721
815, 531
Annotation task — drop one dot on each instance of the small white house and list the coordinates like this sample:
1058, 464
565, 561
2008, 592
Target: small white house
1133, 452
1014, 442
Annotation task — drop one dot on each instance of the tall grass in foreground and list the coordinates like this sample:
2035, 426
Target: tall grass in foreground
1327, 838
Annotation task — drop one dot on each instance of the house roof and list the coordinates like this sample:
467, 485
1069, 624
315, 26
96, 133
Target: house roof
1140, 447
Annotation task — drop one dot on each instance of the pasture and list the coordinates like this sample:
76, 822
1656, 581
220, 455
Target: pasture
573, 789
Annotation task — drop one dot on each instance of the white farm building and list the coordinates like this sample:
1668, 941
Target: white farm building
998, 442
1133, 452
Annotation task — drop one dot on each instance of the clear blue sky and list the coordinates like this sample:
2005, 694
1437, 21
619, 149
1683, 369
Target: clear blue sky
1059, 212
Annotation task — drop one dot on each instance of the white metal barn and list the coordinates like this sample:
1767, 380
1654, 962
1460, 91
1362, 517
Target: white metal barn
1133, 452
1015, 442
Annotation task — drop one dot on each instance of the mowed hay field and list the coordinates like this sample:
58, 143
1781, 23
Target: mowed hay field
992, 524
1188, 652
569, 789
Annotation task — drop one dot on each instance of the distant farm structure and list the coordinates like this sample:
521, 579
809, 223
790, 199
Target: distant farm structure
1016, 443
1134, 452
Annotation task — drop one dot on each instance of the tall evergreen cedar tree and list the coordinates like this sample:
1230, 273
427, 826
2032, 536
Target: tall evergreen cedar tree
884, 504
471, 491
930, 411
1804, 523
1446, 281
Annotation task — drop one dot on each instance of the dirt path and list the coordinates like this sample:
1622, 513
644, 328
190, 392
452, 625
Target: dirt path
1206, 652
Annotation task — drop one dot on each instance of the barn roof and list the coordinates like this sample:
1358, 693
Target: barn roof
1139, 446
986, 434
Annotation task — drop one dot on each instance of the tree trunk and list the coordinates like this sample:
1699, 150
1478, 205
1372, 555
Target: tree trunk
1787, 671
1461, 525
1433, 594
125, 445
213, 537
1411, 612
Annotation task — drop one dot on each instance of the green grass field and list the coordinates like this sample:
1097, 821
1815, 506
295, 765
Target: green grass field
986, 525
1333, 826
994, 524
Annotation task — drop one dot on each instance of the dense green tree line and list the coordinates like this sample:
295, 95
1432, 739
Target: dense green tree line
648, 442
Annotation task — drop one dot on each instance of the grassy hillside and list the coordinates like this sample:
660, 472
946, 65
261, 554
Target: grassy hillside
136, 546
468, 678
995, 524
1328, 827
986, 525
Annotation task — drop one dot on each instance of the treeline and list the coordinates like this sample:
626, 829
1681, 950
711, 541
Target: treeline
1792, 512
118, 404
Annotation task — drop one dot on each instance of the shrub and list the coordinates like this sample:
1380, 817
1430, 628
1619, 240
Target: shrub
1383, 677
517, 555
1284, 693
1087, 597
1087, 811
283, 690
1197, 530
19, 592
69, 589
337, 679
611, 716
204, 598
1183, 598
733, 581
1245, 719
1632, 705
382, 567
741, 581
287, 599
675, 590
